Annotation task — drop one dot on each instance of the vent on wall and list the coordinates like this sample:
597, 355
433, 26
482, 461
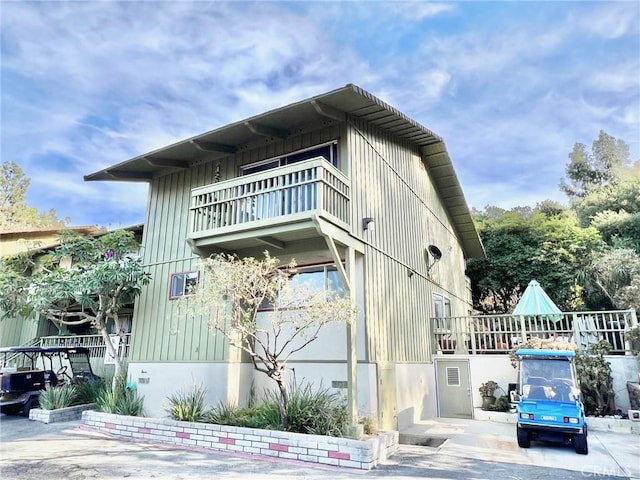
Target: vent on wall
453, 377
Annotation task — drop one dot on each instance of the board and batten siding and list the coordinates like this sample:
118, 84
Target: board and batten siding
390, 183
160, 332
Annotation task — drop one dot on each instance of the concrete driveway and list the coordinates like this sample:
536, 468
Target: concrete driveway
32, 450
609, 453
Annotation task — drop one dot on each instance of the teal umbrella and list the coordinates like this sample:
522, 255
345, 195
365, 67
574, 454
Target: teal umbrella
535, 301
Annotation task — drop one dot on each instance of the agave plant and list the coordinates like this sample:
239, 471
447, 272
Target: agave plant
187, 406
54, 398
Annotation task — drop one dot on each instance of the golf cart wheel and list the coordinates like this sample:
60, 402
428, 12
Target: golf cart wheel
32, 403
580, 443
11, 410
524, 438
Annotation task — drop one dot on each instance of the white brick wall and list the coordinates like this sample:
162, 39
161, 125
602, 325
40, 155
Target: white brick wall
344, 452
60, 415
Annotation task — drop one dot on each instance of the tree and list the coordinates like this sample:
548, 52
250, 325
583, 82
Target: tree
614, 209
545, 243
14, 212
105, 275
229, 294
587, 171
616, 275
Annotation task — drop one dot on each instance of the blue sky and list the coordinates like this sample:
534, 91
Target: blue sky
510, 86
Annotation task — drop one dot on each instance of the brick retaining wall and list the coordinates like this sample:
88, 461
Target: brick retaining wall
59, 415
343, 452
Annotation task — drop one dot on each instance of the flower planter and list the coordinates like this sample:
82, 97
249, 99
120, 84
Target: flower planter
343, 452
487, 402
59, 415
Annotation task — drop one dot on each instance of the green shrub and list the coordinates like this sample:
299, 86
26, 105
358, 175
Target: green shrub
119, 399
316, 411
187, 406
502, 404
319, 412
596, 380
88, 391
369, 425
633, 337
265, 415
54, 398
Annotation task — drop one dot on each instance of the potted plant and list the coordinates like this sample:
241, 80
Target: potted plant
487, 391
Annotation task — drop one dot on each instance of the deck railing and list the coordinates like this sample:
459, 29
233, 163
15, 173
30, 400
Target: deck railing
296, 190
95, 343
500, 333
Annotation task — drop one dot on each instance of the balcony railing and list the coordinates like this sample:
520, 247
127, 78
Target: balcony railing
500, 333
95, 344
267, 198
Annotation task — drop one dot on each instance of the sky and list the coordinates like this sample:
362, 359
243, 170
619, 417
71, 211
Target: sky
509, 86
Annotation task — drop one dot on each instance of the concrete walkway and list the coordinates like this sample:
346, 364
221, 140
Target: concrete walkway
615, 454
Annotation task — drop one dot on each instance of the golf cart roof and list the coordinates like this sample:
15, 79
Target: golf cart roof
545, 353
44, 350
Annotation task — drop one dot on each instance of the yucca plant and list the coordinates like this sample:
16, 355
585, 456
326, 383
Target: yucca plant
317, 411
88, 390
117, 398
187, 406
54, 398
226, 414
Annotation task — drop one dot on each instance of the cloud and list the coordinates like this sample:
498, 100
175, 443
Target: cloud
418, 11
124, 78
90, 84
611, 20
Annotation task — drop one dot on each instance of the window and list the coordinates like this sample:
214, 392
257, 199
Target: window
441, 310
329, 151
182, 283
315, 277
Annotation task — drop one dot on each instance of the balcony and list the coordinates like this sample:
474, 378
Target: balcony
500, 333
273, 207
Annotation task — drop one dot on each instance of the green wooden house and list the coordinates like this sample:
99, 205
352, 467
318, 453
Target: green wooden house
359, 194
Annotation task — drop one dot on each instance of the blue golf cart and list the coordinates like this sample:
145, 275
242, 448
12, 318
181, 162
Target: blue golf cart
549, 403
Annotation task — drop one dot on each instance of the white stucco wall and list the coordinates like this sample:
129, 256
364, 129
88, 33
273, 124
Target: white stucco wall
490, 367
498, 368
623, 369
415, 393
165, 379
323, 374
331, 343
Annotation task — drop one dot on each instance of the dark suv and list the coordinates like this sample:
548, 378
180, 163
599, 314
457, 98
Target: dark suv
26, 371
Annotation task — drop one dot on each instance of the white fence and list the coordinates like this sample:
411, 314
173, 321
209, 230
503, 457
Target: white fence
499, 333
95, 344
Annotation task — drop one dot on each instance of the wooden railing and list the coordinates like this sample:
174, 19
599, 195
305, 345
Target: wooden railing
500, 333
296, 190
95, 343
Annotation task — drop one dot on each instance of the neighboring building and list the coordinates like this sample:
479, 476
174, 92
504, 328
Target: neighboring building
37, 239
25, 331
338, 179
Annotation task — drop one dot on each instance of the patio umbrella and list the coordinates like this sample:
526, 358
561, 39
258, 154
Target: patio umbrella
535, 301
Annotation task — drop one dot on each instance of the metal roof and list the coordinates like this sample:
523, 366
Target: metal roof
282, 122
